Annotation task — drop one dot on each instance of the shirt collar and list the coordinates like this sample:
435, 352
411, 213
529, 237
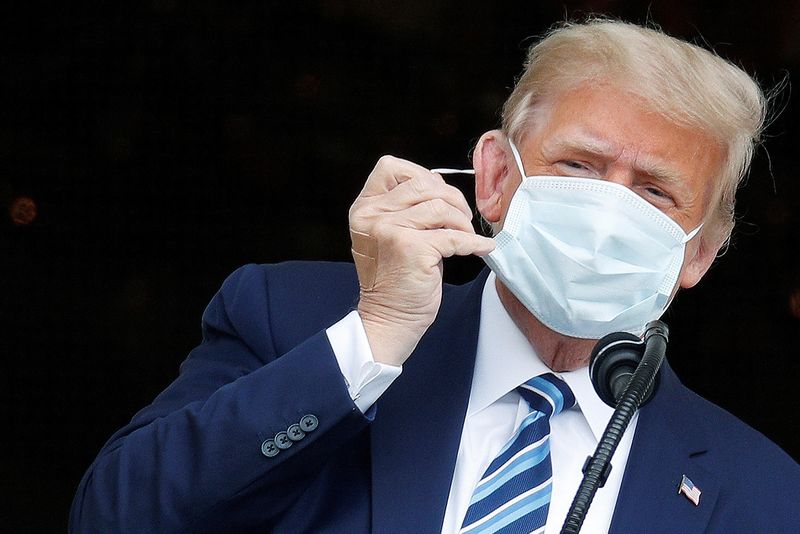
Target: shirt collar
505, 359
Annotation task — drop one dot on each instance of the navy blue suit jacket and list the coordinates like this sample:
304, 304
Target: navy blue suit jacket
192, 460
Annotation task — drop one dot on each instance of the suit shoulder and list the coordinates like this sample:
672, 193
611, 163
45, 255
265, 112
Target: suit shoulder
293, 299
311, 270
301, 273
754, 465
300, 279
758, 480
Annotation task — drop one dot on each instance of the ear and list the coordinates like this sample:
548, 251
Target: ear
698, 262
490, 161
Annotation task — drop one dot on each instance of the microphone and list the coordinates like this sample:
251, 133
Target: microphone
612, 363
613, 359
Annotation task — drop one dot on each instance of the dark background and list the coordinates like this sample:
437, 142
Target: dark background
164, 144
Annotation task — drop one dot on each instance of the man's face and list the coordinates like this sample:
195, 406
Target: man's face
605, 133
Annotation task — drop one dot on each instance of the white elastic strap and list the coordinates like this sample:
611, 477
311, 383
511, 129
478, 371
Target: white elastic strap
691, 234
445, 170
517, 158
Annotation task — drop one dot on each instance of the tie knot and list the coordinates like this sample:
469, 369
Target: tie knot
548, 394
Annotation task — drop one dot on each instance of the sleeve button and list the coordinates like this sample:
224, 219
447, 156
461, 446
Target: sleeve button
282, 440
309, 423
269, 449
295, 432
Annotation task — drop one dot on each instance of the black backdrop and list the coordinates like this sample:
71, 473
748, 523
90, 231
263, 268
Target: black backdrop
164, 145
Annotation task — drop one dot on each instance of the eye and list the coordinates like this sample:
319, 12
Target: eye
658, 196
571, 167
574, 165
657, 192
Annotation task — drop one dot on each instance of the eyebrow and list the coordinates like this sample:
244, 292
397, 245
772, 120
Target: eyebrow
590, 146
654, 168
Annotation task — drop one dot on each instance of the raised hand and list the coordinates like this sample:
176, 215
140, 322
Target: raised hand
403, 223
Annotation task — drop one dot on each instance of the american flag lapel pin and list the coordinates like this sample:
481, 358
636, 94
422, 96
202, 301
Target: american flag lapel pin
691, 491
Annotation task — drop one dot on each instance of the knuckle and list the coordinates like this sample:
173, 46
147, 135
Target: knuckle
454, 192
437, 207
380, 231
456, 195
452, 246
451, 240
355, 208
359, 211
418, 187
386, 161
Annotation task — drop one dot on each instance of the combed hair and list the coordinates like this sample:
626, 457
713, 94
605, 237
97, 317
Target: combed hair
688, 84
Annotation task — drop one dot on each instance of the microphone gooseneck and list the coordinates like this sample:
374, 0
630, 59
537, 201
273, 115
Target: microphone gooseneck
635, 393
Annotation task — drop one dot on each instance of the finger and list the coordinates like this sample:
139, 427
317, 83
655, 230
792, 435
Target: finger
457, 243
431, 214
389, 172
422, 189
417, 190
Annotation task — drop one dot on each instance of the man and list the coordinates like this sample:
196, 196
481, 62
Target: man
328, 399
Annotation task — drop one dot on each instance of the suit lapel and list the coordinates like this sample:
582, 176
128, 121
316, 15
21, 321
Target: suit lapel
417, 427
669, 442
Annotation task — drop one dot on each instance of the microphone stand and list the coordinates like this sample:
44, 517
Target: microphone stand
598, 466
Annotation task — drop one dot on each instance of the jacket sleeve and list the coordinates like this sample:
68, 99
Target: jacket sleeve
198, 446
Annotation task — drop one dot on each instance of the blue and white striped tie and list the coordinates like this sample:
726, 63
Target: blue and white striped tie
513, 495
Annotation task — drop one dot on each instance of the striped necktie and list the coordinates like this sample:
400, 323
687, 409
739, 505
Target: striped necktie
513, 495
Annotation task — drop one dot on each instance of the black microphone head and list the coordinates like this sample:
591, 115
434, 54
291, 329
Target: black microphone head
613, 361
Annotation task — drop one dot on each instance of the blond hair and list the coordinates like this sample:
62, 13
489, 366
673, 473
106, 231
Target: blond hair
687, 84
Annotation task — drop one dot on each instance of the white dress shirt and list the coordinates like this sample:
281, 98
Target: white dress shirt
504, 360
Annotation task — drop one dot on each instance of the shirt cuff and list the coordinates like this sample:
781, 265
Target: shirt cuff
366, 379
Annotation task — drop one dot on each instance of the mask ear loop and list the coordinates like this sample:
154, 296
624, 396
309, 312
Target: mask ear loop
517, 158
691, 234
446, 170
667, 291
